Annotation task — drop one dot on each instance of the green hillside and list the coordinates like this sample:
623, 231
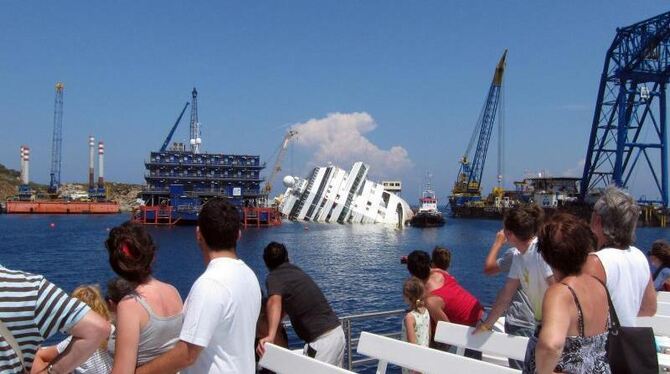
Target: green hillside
10, 180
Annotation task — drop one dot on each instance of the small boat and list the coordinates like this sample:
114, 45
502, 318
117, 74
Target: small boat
428, 215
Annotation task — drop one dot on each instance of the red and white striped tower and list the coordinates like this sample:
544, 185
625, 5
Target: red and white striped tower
25, 158
21, 163
26, 165
91, 162
101, 165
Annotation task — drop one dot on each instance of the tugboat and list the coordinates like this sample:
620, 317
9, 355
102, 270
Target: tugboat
427, 215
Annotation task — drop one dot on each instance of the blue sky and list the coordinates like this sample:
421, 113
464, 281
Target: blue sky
419, 70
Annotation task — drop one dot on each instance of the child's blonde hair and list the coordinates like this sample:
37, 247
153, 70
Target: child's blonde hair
413, 290
91, 295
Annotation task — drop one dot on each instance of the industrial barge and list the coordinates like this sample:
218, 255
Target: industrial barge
180, 178
28, 201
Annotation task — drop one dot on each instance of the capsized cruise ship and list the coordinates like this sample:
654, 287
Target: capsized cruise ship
330, 194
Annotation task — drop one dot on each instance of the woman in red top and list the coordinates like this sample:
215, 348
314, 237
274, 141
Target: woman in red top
445, 299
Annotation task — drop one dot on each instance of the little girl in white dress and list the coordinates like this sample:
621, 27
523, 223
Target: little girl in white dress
416, 325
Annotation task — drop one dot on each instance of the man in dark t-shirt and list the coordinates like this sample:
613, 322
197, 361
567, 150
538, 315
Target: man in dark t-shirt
291, 291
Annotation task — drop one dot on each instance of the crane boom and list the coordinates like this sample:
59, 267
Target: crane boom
174, 127
280, 157
468, 182
57, 140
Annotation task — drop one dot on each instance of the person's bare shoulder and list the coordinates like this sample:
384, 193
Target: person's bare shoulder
558, 295
435, 280
594, 267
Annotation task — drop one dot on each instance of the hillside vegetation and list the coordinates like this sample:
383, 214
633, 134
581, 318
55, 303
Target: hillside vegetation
9, 182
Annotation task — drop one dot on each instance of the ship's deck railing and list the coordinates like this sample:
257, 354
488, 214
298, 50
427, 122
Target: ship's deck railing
385, 323
352, 342
355, 323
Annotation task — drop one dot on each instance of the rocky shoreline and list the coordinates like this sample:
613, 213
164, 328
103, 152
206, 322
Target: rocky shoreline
125, 194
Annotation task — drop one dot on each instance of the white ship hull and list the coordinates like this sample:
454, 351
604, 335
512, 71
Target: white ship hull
330, 194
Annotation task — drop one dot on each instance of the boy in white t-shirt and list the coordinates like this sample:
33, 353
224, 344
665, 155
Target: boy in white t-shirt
222, 308
528, 271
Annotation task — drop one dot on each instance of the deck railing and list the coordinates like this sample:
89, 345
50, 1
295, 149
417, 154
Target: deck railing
352, 342
386, 323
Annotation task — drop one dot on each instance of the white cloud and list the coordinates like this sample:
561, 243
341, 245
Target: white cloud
575, 171
340, 138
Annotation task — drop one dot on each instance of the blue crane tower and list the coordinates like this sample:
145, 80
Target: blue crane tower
57, 140
467, 187
629, 122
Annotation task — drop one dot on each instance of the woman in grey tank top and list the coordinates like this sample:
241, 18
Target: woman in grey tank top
149, 318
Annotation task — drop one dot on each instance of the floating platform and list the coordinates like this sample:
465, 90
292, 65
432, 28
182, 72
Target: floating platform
260, 217
167, 216
61, 207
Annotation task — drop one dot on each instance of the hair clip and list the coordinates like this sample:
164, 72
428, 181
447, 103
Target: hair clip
126, 251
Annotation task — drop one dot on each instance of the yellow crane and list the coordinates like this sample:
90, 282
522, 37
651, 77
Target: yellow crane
277, 166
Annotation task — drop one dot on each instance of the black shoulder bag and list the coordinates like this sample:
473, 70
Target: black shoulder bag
630, 349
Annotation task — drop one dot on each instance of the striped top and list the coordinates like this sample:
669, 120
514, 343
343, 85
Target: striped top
33, 309
100, 362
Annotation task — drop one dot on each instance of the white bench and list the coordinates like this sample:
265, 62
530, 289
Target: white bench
663, 362
660, 324
663, 297
420, 358
662, 309
284, 361
664, 343
492, 342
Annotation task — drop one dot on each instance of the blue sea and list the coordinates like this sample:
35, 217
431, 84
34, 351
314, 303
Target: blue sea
357, 266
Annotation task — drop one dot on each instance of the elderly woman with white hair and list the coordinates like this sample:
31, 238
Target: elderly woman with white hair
617, 263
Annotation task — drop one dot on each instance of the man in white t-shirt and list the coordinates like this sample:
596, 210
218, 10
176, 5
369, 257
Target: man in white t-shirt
221, 311
617, 263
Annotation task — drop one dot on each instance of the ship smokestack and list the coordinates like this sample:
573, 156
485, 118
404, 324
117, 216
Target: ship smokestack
25, 164
91, 162
101, 165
